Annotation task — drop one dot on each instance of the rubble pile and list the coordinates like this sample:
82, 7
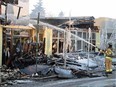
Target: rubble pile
8, 74
76, 66
44, 67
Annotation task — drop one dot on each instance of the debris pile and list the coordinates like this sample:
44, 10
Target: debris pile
42, 67
76, 65
8, 74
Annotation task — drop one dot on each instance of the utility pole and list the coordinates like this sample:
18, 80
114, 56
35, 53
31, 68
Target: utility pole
1, 30
37, 41
64, 49
0, 43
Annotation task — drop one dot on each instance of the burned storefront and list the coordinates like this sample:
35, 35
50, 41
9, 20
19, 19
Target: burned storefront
39, 45
76, 25
53, 35
52, 39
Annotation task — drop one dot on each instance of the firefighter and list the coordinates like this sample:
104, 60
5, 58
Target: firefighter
108, 58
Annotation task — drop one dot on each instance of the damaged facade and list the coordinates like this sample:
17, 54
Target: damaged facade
78, 26
24, 41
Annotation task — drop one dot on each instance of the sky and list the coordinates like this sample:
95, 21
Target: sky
96, 8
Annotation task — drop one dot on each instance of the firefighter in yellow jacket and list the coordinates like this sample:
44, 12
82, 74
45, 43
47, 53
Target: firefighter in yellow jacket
108, 58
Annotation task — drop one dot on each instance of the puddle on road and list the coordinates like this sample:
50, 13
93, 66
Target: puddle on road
23, 81
103, 83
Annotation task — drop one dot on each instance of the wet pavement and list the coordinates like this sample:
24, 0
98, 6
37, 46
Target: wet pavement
85, 82
103, 81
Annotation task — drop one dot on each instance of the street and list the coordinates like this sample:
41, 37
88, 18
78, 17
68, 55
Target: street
103, 81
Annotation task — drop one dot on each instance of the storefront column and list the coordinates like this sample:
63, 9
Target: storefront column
48, 41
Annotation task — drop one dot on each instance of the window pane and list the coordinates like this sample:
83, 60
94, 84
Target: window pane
84, 46
73, 45
84, 35
61, 34
55, 33
109, 35
80, 34
73, 33
78, 44
93, 35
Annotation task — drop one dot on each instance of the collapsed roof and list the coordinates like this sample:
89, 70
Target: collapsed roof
63, 22
78, 22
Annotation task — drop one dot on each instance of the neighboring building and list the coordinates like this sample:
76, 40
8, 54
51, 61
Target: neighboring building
13, 9
107, 27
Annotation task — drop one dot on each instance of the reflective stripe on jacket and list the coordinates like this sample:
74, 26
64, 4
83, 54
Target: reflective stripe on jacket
109, 58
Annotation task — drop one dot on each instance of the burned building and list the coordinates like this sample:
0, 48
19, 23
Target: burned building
76, 25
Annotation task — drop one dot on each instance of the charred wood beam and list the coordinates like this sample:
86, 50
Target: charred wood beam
19, 12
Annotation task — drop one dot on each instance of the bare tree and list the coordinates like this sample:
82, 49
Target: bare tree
61, 14
38, 8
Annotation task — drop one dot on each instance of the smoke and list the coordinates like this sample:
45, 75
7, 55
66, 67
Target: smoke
24, 0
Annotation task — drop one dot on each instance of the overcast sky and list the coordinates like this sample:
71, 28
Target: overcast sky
96, 8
